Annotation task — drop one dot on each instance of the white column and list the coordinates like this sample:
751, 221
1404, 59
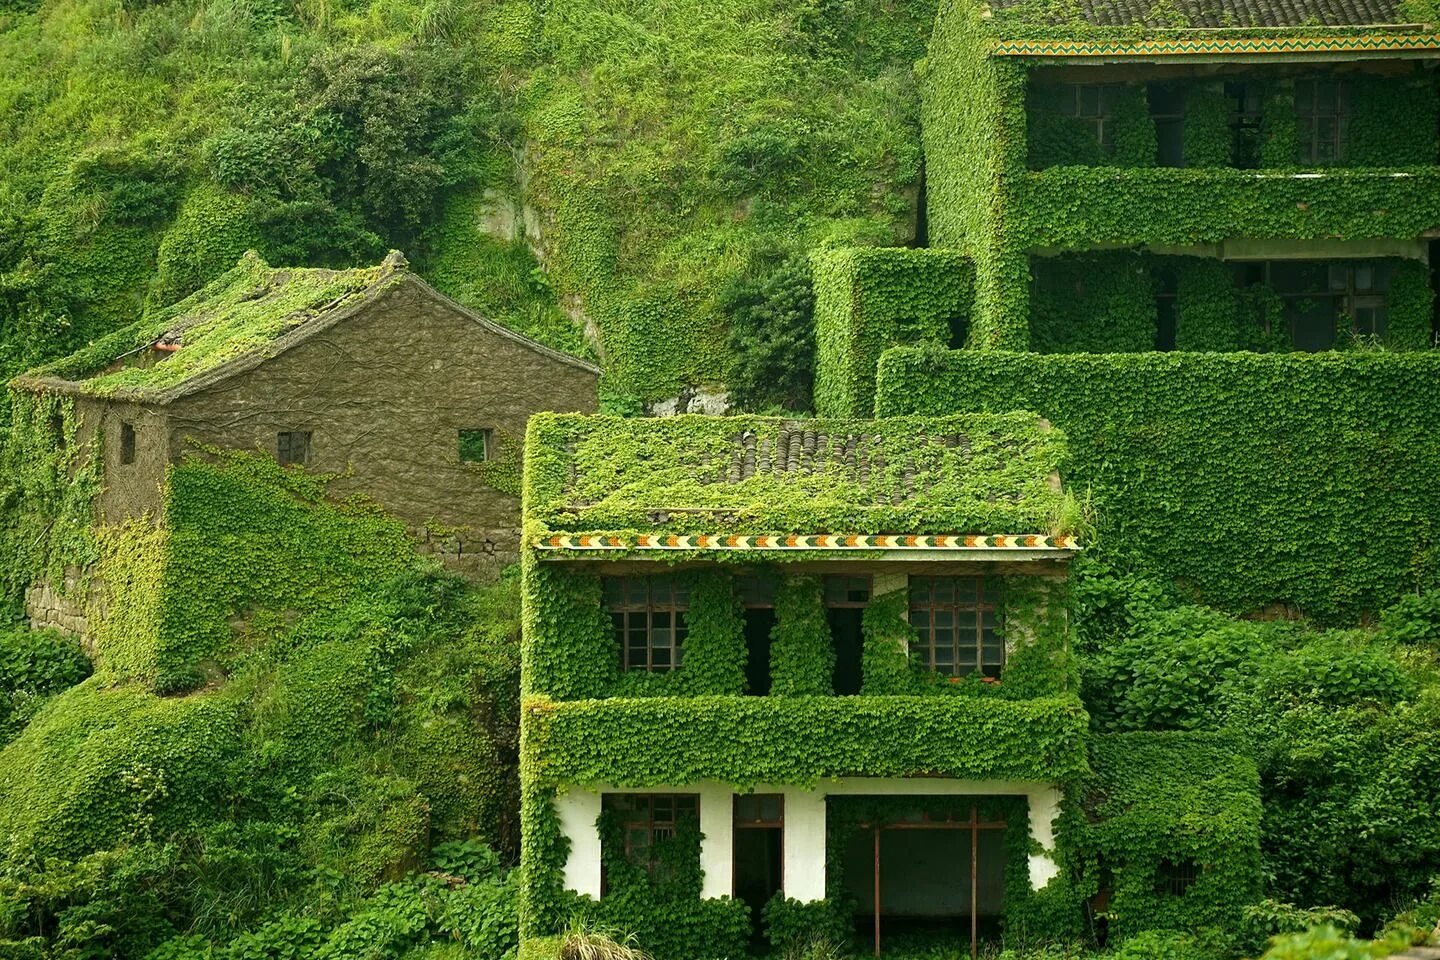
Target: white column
717, 848
804, 844
578, 811
1044, 808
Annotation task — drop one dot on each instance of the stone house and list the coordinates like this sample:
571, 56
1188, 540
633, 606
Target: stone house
371, 375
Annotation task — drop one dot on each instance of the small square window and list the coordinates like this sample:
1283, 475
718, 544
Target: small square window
292, 447
127, 443
475, 446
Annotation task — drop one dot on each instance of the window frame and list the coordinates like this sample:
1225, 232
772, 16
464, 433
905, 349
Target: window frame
1101, 122
627, 617
1344, 299
958, 608
1309, 121
657, 831
285, 450
487, 443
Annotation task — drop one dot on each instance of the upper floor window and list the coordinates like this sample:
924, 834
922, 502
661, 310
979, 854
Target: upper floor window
1093, 104
957, 621
1167, 110
648, 614
647, 820
1322, 115
1247, 109
292, 446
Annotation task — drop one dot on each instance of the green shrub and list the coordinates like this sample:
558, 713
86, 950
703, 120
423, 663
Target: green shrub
1271, 918
772, 338
1414, 619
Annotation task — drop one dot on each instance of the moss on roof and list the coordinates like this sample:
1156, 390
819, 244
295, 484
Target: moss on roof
243, 309
972, 473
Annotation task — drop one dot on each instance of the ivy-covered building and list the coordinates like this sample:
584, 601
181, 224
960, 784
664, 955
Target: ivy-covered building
369, 374
778, 672
1222, 176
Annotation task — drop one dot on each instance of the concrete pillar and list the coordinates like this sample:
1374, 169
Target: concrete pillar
717, 846
1044, 808
578, 811
804, 844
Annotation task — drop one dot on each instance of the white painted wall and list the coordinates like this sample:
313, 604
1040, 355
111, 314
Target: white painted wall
804, 844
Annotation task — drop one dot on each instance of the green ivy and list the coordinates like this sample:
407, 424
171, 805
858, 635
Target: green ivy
869, 299
1214, 470
802, 656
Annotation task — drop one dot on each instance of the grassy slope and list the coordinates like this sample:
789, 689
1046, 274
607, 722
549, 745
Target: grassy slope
663, 150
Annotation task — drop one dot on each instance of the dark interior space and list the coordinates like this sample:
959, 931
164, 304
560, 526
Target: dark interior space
849, 646
759, 621
757, 871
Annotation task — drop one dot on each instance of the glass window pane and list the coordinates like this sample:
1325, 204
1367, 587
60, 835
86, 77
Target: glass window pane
1089, 100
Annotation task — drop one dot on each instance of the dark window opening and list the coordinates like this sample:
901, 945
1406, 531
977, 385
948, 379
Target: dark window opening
292, 447
1167, 110
1175, 877
1319, 298
845, 601
757, 591
647, 820
759, 624
475, 446
957, 621
648, 616
127, 443
57, 428
759, 854
1322, 120
1247, 107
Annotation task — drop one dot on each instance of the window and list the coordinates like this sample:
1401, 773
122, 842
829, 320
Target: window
1322, 119
648, 614
1246, 113
127, 443
647, 820
1175, 877
1317, 296
1167, 109
292, 446
956, 620
475, 446
1094, 105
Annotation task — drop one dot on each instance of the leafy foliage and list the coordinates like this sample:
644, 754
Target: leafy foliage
772, 339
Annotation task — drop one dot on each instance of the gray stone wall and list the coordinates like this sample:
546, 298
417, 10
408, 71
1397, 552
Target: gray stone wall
384, 395
64, 610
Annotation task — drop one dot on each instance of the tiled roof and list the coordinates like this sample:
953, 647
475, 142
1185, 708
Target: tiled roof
1208, 13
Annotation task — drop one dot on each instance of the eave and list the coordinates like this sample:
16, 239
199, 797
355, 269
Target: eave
874, 546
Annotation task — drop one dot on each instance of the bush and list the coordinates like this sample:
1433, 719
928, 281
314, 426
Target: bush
1329, 943
1415, 620
772, 338
1260, 922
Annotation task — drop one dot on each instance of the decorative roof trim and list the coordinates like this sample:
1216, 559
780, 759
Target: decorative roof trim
1216, 46
803, 542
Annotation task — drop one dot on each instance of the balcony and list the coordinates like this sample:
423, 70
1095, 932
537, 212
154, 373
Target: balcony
1077, 208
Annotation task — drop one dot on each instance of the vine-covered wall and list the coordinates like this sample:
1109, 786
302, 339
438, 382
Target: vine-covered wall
1246, 480
867, 299
1167, 831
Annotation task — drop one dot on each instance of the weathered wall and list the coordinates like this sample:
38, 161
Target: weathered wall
385, 394
130, 489
65, 610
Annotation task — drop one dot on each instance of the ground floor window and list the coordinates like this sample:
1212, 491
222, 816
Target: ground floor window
646, 822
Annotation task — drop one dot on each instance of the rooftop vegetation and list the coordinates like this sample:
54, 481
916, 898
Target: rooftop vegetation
993, 473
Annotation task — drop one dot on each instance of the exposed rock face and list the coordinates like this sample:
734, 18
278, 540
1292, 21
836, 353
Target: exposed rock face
693, 400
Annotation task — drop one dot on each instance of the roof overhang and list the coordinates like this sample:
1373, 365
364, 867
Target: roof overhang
886, 546
1223, 46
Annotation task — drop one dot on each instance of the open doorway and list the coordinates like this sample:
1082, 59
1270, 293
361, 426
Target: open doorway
927, 876
759, 846
757, 597
845, 601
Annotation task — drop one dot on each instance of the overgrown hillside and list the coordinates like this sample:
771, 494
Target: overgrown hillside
656, 157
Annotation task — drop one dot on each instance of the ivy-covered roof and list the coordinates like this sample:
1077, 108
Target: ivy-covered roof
1205, 14
980, 474
246, 315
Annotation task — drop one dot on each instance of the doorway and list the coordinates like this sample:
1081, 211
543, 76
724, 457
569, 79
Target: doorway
845, 601
927, 874
759, 845
759, 622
